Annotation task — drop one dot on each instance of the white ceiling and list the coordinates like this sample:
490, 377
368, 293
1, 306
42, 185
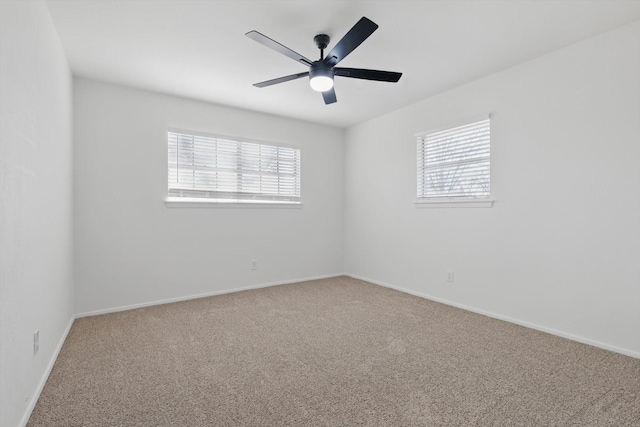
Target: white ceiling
197, 49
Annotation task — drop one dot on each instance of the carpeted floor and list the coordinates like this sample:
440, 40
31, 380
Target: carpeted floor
334, 352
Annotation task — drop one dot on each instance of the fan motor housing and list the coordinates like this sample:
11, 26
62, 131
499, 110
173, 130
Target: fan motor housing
320, 69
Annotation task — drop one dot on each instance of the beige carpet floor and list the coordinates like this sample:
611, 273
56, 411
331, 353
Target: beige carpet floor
334, 352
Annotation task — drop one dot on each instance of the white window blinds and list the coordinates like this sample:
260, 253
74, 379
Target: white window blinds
207, 167
455, 163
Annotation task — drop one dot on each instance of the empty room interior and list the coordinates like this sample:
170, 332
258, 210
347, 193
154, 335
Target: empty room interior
319, 213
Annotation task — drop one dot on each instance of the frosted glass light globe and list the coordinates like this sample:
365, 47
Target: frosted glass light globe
321, 83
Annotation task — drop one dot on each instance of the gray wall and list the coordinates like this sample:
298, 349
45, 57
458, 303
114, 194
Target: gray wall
36, 289
132, 249
560, 249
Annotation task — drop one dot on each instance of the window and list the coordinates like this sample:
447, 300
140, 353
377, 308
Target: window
211, 168
454, 163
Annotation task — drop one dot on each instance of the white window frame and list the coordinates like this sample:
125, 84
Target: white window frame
455, 201
208, 198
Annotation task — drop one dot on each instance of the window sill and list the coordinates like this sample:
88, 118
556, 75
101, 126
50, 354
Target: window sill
453, 203
183, 202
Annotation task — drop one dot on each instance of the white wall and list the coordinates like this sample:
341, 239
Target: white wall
132, 249
36, 289
560, 249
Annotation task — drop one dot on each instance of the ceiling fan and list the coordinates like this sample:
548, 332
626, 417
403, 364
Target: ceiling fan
322, 71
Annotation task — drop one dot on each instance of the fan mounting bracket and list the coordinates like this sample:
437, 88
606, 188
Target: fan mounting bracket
322, 41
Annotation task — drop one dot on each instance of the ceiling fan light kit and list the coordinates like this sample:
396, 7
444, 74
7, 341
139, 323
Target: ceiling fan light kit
322, 71
320, 78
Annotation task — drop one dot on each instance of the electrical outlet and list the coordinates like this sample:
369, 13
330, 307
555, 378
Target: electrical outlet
36, 342
449, 275
254, 264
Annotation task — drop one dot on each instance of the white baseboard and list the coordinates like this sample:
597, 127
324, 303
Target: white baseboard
203, 295
526, 324
45, 376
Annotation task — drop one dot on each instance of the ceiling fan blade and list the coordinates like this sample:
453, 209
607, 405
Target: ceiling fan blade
356, 35
360, 73
329, 96
281, 79
262, 39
